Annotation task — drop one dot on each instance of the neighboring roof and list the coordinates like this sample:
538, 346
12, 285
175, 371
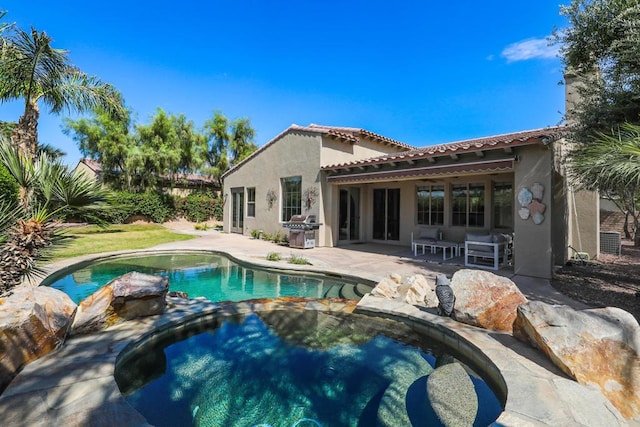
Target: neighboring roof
506, 141
346, 134
190, 178
92, 164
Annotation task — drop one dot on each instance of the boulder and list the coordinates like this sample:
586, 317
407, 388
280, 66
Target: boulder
126, 297
595, 346
452, 395
414, 290
33, 322
486, 300
386, 288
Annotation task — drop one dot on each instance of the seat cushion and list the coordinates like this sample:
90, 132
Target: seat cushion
480, 238
429, 234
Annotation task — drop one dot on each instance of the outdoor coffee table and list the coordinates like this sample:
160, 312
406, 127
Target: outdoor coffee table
445, 245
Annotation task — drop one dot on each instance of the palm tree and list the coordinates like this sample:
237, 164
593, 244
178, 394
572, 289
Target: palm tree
610, 164
48, 190
35, 72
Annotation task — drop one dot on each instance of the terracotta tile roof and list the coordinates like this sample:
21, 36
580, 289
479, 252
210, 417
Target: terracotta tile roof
471, 145
347, 134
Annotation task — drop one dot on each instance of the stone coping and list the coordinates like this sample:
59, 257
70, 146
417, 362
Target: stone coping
74, 386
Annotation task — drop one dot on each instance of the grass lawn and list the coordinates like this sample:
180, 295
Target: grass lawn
92, 239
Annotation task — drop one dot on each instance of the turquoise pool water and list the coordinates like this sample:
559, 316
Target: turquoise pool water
303, 368
212, 276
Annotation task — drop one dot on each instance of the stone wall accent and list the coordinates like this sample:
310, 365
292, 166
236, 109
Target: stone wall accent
486, 300
34, 321
124, 298
414, 290
595, 346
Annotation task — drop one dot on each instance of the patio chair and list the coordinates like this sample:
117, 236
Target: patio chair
487, 247
426, 237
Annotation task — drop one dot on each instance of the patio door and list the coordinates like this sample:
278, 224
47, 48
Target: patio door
237, 210
386, 214
349, 214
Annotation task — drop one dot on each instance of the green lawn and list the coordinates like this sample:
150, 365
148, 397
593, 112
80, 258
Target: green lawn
92, 239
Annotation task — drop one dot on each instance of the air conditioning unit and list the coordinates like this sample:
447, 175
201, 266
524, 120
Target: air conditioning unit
610, 242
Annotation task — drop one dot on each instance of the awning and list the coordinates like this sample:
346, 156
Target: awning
502, 165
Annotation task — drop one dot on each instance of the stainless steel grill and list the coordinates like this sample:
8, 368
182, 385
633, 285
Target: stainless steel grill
302, 231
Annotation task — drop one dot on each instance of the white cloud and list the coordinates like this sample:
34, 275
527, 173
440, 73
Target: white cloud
529, 49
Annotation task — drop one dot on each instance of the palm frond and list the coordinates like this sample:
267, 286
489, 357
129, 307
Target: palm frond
77, 91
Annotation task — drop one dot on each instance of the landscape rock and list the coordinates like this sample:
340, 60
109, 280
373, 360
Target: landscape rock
414, 290
595, 347
33, 322
452, 395
485, 299
124, 298
386, 288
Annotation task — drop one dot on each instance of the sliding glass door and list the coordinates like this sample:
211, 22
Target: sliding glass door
349, 215
237, 210
386, 214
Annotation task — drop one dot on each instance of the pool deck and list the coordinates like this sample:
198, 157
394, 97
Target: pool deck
74, 386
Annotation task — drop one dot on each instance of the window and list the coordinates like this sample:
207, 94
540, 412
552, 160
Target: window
251, 201
430, 205
467, 205
502, 205
291, 197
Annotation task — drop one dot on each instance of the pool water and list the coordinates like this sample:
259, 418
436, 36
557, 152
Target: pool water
300, 369
212, 276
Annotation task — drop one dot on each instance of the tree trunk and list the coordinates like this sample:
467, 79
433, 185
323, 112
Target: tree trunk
25, 134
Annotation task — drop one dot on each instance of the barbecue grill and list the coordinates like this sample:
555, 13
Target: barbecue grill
302, 232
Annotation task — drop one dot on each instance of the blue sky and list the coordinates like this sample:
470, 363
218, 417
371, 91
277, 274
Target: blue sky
417, 72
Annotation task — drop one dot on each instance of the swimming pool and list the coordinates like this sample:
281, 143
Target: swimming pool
213, 276
302, 368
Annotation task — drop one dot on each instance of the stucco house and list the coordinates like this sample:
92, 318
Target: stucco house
365, 187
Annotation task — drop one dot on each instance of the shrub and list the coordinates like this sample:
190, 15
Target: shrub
202, 226
158, 207
199, 207
256, 234
273, 256
8, 186
295, 259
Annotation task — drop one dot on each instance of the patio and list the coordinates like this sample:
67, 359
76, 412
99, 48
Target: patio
538, 393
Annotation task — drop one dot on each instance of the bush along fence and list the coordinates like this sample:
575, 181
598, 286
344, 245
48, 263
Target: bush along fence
161, 207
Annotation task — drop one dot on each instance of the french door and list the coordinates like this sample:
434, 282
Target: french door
237, 210
349, 214
386, 214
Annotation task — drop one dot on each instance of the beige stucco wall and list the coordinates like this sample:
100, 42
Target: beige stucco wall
336, 151
86, 170
296, 154
533, 248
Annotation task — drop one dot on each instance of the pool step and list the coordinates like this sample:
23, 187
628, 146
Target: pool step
348, 292
333, 292
362, 289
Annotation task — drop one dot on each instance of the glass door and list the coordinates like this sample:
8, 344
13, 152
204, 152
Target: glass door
386, 214
237, 210
349, 215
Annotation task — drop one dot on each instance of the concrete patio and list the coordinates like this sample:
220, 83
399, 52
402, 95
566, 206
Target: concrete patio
75, 384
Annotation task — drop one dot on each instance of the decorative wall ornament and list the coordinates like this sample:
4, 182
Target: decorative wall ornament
310, 197
531, 202
271, 198
524, 197
538, 191
524, 213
